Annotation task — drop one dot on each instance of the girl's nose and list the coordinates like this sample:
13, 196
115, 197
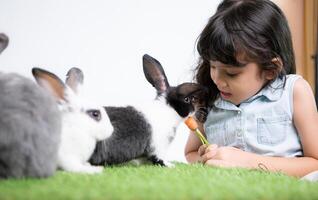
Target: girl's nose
218, 79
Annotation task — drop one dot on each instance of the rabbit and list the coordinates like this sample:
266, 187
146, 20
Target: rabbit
83, 123
30, 127
145, 131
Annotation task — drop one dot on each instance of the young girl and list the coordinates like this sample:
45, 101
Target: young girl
261, 114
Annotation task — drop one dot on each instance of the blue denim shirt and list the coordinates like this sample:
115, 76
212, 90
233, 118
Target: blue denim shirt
262, 124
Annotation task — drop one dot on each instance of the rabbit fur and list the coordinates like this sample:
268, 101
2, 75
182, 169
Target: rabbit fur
30, 126
146, 130
83, 122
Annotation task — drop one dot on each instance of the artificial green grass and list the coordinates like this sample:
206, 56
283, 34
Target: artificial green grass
154, 182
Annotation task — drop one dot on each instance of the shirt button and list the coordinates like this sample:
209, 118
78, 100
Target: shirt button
238, 112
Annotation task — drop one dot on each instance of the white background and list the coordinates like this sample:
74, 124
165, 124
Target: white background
106, 39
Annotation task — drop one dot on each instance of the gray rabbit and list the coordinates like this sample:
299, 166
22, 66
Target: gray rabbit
30, 126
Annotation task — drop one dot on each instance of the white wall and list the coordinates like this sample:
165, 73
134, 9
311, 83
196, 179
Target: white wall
106, 39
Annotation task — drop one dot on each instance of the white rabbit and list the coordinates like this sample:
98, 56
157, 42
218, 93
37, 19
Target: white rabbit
146, 130
30, 127
83, 123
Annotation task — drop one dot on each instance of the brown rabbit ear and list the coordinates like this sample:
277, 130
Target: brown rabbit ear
155, 74
50, 82
74, 78
4, 41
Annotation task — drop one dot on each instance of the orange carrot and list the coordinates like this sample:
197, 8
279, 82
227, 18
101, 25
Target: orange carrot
191, 123
193, 126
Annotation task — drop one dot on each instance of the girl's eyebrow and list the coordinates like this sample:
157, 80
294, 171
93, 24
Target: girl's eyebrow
240, 66
233, 69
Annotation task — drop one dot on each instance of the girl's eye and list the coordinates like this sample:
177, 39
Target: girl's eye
94, 114
231, 75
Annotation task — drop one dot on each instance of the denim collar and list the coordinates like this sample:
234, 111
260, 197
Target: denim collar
272, 92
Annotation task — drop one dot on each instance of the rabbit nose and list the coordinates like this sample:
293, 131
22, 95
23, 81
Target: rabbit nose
201, 114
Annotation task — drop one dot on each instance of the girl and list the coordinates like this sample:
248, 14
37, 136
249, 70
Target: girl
261, 114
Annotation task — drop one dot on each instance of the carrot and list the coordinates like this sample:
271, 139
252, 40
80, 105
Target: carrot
191, 123
193, 126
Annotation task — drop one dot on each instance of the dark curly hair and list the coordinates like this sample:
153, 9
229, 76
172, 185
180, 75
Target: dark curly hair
256, 29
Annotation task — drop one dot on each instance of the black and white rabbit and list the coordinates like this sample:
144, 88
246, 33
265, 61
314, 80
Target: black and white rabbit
146, 130
83, 123
30, 127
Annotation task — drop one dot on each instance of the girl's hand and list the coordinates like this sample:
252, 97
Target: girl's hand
202, 149
225, 156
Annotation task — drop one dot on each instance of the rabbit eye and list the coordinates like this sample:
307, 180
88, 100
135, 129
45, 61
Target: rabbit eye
95, 114
187, 100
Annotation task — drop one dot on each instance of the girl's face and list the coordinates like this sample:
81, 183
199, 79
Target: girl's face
237, 84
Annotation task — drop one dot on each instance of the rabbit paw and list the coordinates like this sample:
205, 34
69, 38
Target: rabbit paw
81, 168
157, 161
89, 169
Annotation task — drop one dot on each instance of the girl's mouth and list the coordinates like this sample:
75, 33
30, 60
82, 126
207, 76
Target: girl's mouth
225, 95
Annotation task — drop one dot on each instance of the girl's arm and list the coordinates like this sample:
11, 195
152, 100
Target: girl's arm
233, 157
306, 123
306, 118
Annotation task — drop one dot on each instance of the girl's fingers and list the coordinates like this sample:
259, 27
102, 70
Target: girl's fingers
205, 148
211, 147
210, 153
201, 149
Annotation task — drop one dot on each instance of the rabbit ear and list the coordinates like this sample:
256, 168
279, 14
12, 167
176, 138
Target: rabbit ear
187, 89
50, 82
74, 78
4, 41
155, 74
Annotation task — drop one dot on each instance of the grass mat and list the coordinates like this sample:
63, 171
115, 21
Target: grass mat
155, 182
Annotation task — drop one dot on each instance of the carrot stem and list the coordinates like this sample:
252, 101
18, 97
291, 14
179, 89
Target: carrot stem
200, 135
